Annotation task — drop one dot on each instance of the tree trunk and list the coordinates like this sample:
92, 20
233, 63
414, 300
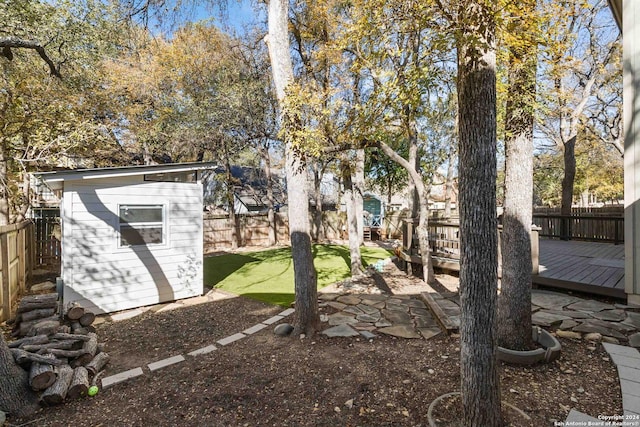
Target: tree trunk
231, 201
307, 319
414, 206
317, 196
16, 398
358, 193
423, 226
352, 220
514, 304
271, 216
569, 156
480, 385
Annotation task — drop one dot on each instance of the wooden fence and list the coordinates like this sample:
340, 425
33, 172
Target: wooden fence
581, 227
17, 258
253, 229
614, 210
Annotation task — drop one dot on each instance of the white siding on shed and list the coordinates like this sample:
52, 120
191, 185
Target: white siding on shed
104, 276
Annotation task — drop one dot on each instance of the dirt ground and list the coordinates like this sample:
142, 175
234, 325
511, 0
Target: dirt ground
265, 380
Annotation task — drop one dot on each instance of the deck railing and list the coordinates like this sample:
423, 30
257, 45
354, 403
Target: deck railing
444, 242
581, 227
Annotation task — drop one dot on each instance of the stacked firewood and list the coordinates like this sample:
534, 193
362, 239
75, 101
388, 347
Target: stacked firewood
61, 354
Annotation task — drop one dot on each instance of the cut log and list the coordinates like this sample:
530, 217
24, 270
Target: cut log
38, 339
36, 302
23, 328
90, 348
56, 394
77, 337
79, 383
87, 318
62, 345
64, 329
71, 354
83, 330
75, 312
97, 363
41, 375
46, 327
37, 314
24, 357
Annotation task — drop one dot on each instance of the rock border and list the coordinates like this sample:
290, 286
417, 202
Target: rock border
549, 352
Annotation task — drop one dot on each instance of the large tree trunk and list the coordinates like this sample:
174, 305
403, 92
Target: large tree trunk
514, 304
352, 220
16, 398
271, 216
307, 319
480, 385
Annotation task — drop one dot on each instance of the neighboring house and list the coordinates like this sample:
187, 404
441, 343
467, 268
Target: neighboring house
400, 200
249, 189
627, 15
131, 236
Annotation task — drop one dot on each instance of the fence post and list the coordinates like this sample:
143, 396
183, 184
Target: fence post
4, 271
535, 250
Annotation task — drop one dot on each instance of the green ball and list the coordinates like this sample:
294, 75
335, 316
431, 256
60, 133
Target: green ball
93, 390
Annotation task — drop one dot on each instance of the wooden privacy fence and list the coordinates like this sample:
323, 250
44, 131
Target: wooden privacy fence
444, 242
253, 229
581, 227
17, 256
220, 231
612, 210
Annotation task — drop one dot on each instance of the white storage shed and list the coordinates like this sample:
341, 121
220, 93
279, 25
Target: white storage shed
131, 236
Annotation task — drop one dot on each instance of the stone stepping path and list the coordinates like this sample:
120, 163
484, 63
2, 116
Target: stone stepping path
571, 316
179, 358
401, 316
584, 318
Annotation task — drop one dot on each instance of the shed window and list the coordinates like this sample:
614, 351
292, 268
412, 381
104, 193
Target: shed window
141, 225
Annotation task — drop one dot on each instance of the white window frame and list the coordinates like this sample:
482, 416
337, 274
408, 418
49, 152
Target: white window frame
147, 224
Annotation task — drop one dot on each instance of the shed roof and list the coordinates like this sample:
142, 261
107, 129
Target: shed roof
113, 172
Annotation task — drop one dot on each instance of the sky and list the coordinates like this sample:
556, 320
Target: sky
237, 17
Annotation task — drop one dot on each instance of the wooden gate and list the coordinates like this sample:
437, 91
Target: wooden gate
16, 263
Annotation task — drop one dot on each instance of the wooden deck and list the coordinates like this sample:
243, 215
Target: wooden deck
596, 268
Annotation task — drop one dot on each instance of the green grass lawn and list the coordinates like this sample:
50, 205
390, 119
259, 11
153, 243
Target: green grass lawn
268, 275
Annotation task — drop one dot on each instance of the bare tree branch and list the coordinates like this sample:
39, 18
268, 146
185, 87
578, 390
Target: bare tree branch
8, 43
